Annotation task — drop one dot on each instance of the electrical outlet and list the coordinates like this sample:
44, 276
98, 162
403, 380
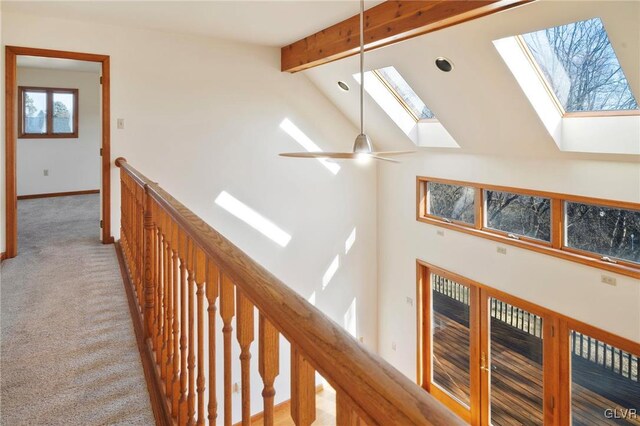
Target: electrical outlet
440, 232
393, 345
120, 123
607, 279
502, 250
45, 172
409, 301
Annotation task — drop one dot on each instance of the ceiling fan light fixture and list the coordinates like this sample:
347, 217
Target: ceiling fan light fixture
362, 144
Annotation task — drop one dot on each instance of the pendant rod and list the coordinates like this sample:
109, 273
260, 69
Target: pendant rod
361, 66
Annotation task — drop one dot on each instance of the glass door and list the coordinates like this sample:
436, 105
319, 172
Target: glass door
511, 364
452, 370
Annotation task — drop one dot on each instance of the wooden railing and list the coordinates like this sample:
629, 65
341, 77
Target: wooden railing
182, 272
607, 356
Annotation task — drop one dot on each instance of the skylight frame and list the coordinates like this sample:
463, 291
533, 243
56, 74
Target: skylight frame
545, 83
401, 101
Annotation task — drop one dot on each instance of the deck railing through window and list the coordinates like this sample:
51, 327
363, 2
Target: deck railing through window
186, 277
593, 350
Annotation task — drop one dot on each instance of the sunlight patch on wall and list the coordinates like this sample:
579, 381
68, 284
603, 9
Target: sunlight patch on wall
312, 298
304, 141
252, 218
331, 271
350, 240
350, 319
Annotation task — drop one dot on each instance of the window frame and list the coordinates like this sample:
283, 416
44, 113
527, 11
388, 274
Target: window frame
395, 94
565, 114
556, 247
476, 199
49, 91
487, 228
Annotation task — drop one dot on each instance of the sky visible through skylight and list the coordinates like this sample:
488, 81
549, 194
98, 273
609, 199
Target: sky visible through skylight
581, 67
393, 78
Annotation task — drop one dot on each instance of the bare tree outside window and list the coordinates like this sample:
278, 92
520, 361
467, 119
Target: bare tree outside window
403, 91
452, 202
581, 67
519, 214
604, 230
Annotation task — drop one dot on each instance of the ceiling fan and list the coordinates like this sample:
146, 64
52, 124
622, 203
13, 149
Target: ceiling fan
362, 148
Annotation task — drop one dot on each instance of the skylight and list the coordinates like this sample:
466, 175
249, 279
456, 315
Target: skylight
580, 67
404, 93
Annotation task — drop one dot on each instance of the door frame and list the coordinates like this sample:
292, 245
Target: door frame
11, 99
550, 353
478, 413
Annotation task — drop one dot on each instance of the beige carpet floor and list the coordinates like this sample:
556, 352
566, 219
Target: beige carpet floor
67, 345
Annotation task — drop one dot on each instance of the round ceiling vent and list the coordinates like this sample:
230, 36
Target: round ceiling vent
344, 86
444, 64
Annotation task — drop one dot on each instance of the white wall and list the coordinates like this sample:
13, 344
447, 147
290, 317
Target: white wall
202, 116
566, 287
73, 164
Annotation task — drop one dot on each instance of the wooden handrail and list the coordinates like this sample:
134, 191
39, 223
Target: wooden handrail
375, 391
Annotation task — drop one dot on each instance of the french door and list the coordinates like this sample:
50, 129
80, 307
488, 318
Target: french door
483, 352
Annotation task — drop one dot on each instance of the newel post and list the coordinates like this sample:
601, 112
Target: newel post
148, 253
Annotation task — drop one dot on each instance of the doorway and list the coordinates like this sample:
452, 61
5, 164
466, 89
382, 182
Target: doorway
12, 53
495, 359
481, 351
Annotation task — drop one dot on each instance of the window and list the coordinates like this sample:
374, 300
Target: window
579, 66
451, 202
48, 112
518, 215
580, 229
604, 375
404, 93
607, 231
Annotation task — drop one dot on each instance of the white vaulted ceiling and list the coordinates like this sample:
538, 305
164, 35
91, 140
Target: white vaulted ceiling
269, 23
480, 103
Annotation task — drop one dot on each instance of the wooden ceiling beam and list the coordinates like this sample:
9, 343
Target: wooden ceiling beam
386, 23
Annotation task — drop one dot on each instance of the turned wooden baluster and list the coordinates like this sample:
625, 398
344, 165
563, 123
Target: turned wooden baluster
166, 342
123, 204
345, 415
134, 244
160, 290
149, 231
213, 282
268, 364
183, 249
303, 389
162, 344
173, 373
158, 267
172, 277
140, 245
201, 274
227, 311
245, 335
191, 360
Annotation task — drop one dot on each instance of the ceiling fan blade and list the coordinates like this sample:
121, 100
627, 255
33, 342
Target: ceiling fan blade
335, 155
391, 153
377, 157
